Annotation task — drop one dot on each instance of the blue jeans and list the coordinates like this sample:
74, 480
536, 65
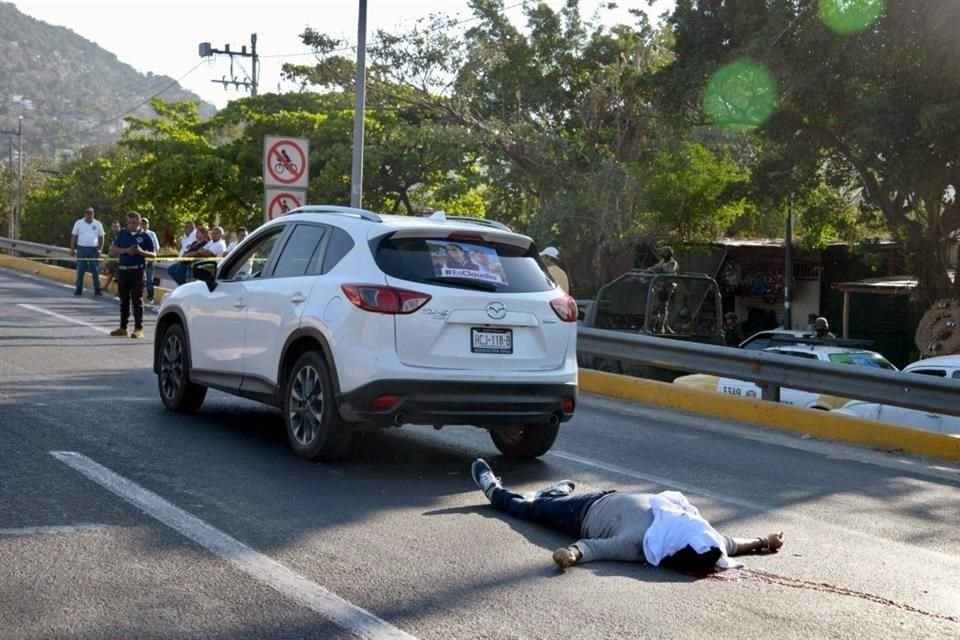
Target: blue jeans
88, 259
150, 266
563, 513
179, 271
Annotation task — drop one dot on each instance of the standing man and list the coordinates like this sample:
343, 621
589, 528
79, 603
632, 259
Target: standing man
551, 256
150, 263
86, 242
131, 247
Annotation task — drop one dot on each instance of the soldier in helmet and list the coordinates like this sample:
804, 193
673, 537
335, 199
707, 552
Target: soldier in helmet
667, 262
822, 328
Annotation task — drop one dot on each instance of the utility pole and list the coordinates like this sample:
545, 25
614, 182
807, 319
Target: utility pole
788, 270
16, 211
356, 179
207, 51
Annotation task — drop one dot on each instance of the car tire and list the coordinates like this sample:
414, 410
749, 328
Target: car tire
315, 429
525, 440
173, 380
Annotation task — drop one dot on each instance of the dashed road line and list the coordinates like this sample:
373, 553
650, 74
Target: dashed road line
60, 316
307, 593
55, 530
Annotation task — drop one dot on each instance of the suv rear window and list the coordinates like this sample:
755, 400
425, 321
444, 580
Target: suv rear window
467, 264
862, 359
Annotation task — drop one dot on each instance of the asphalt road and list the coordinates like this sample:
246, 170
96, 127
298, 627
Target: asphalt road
119, 519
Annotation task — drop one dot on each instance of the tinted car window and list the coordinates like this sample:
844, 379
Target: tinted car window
468, 263
796, 354
295, 259
865, 359
338, 246
937, 373
254, 258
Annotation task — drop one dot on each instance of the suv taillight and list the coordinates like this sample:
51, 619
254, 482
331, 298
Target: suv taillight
565, 308
381, 299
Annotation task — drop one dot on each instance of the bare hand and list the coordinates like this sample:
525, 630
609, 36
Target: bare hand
72, 253
774, 541
565, 557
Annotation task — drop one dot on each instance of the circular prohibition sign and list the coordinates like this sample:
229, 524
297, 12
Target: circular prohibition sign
283, 167
283, 203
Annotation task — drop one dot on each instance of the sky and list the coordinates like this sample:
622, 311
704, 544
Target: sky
163, 36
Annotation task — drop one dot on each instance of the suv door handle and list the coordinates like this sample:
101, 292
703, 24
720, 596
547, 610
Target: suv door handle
297, 298
239, 304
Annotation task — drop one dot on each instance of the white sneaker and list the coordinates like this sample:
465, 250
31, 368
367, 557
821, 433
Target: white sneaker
557, 490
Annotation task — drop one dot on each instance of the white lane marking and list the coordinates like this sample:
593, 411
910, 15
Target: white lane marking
54, 530
348, 616
781, 513
63, 317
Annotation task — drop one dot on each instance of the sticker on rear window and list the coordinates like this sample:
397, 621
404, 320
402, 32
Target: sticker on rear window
466, 260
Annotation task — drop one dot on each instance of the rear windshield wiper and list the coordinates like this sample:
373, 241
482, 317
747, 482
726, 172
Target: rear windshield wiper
465, 282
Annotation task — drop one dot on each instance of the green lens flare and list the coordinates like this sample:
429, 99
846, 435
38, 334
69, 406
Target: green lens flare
850, 16
741, 95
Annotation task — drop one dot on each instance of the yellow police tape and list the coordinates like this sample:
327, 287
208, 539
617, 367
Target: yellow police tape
813, 422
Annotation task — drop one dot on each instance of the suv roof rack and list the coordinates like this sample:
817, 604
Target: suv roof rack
481, 221
369, 216
830, 342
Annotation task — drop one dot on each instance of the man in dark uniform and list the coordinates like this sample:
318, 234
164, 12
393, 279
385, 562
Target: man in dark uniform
131, 247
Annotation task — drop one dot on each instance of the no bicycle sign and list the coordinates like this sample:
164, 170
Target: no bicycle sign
285, 162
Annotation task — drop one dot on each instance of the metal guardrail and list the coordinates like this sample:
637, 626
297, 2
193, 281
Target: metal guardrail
22, 247
770, 371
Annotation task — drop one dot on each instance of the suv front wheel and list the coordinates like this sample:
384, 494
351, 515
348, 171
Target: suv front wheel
525, 440
173, 380
314, 426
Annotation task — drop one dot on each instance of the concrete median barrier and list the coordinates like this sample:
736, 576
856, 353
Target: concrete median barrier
61, 274
822, 424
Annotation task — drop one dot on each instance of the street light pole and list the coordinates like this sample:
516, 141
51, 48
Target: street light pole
356, 179
13, 221
19, 215
788, 270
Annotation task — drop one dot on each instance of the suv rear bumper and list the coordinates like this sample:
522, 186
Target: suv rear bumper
473, 403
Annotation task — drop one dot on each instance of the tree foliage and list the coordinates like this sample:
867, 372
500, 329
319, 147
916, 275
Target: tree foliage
871, 107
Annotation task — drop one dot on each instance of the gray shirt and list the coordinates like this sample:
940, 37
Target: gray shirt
614, 527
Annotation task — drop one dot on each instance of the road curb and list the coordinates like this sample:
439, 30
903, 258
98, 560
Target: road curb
823, 424
62, 274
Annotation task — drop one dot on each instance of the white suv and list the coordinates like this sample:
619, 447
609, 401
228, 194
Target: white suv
344, 318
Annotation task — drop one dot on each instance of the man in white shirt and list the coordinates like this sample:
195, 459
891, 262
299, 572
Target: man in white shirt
86, 241
215, 248
189, 236
151, 262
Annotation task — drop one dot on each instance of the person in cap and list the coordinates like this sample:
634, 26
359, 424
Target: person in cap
822, 328
661, 529
551, 257
131, 247
732, 332
86, 242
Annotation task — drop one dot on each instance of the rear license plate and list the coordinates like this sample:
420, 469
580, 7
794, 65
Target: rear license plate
491, 340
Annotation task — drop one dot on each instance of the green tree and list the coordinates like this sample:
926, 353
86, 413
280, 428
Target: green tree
863, 97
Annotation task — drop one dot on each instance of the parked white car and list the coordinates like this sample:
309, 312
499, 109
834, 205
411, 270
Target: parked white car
344, 318
811, 351
940, 367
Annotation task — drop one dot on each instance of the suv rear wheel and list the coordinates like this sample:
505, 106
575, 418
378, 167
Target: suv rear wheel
314, 426
525, 440
173, 381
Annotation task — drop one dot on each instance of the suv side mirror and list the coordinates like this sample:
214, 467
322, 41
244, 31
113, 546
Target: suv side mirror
206, 271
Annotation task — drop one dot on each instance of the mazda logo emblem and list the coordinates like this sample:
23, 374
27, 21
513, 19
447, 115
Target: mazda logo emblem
496, 310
